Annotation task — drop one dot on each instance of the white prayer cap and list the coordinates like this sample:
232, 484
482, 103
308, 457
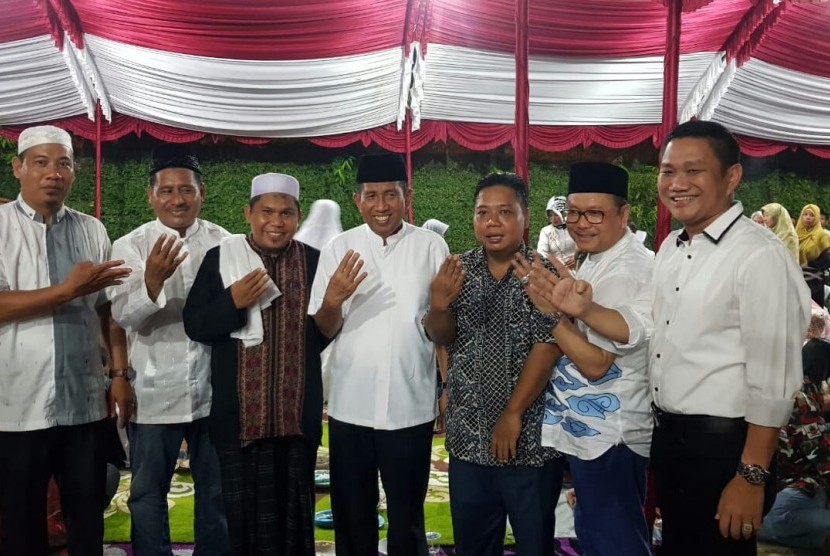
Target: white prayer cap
557, 204
436, 226
43, 134
275, 183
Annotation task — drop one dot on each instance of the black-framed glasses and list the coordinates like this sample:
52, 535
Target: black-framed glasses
591, 216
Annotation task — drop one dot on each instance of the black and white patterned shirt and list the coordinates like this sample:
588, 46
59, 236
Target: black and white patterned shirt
496, 327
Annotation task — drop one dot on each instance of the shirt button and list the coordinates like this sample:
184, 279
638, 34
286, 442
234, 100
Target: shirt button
656, 389
658, 356
688, 256
677, 289
667, 322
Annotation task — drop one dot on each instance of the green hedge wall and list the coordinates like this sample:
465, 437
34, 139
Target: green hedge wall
442, 189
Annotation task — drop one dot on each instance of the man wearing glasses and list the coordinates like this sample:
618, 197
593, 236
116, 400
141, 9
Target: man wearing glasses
597, 403
172, 372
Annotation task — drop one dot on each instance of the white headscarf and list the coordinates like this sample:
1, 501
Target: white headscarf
436, 226
322, 224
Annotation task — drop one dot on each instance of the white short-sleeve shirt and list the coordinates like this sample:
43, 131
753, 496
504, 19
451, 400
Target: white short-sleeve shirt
37, 391
382, 363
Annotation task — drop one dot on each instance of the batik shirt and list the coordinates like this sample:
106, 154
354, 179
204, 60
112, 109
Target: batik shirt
496, 327
803, 444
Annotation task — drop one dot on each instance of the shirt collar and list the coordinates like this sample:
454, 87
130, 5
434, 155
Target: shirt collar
189, 232
391, 240
32, 213
597, 257
722, 224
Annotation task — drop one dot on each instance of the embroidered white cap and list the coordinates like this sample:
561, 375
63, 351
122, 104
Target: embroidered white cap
41, 135
275, 183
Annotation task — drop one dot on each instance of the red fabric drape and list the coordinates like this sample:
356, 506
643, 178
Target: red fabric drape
251, 30
671, 65
23, 19
593, 28
521, 99
98, 160
798, 40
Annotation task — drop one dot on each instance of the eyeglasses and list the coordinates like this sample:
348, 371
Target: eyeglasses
591, 216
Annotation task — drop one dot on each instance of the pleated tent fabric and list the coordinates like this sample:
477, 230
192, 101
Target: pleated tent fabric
341, 71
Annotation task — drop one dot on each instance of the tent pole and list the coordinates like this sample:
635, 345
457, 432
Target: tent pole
671, 66
522, 116
98, 159
408, 138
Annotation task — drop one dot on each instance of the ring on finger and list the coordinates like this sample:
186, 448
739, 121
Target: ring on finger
524, 280
747, 528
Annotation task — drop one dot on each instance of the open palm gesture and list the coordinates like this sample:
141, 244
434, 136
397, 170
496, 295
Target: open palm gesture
550, 292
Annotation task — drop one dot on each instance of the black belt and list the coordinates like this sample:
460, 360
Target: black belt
699, 423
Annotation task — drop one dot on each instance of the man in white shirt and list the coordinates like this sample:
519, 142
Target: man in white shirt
54, 266
369, 294
597, 409
730, 312
172, 372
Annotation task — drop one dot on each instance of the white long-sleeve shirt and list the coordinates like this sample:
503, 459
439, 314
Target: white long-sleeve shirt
382, 363
730, 312
172, 383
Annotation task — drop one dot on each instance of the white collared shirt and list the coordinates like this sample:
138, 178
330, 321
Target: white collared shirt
585, 418
51, 371
382, 363
172, 383
730, 312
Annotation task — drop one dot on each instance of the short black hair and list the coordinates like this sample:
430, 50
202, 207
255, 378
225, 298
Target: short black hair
254, 200
197, 178
720, 139
506, 179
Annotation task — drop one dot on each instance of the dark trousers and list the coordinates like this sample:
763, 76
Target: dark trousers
74, 456
610, 493
483, 496
403, 458
693, 457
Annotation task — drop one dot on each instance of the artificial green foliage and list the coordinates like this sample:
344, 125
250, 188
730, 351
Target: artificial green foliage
442, 188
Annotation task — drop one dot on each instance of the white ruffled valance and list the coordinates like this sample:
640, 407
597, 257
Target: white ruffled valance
464, 84
257, 98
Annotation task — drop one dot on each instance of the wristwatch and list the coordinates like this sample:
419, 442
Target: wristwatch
128, 373
753, 474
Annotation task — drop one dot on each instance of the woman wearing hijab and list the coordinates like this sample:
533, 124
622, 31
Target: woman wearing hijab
812, 241
322, 224
554, 239
778, 220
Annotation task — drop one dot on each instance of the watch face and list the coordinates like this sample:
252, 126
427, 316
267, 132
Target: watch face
753, 474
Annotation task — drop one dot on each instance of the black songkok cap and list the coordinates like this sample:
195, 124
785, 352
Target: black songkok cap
380, 168
173, 155
598, 177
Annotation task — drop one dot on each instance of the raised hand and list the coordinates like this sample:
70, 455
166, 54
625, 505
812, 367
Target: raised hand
86, 277
247, 289
446, 285
573, 297
538, 281
345, 280
554, 293
162, 262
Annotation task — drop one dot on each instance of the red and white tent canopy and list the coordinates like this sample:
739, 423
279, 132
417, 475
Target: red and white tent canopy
340, 71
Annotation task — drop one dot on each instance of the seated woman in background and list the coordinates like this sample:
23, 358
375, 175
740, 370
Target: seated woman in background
758, 218
800, 518
778, 220
554, 239
812, 241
